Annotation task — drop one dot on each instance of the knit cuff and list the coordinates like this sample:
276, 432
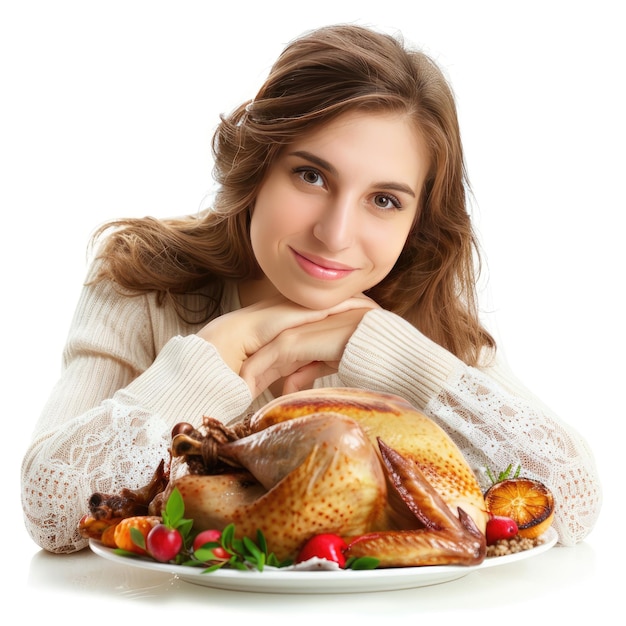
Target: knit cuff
387, 353
189, 380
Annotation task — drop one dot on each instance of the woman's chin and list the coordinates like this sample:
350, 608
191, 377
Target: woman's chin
315, 302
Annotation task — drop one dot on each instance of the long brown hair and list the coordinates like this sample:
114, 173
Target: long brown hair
319, 76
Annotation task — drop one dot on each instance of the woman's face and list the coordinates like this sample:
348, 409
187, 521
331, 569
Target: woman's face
335, 209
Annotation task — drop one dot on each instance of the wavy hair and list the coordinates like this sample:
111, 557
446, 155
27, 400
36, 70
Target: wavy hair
319, 76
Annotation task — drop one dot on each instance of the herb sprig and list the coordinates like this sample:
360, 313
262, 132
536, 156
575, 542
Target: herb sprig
245, 553
504, 475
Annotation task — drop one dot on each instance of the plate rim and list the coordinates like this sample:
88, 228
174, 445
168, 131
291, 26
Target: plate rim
323, 581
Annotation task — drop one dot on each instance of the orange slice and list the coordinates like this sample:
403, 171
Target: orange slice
529, 502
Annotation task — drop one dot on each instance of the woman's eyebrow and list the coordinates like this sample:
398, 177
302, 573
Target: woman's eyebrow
391, 186
309, 156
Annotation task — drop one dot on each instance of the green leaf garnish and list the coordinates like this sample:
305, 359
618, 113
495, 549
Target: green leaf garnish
136, 536
246, 553
362, 562
174, 511
205, 553
122, 552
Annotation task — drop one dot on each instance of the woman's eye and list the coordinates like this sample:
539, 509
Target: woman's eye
386, 201
310, 176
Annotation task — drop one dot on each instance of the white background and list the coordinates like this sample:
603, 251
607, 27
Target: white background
107, 110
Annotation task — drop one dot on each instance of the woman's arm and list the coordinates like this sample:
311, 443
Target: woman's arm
107, 423
488, 413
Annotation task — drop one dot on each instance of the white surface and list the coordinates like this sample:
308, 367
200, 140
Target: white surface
107, 110
273, 580
556, 586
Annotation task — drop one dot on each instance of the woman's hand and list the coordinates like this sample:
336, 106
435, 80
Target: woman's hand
276, 338
301, 354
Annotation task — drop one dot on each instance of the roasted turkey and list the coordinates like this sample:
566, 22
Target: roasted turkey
364, 465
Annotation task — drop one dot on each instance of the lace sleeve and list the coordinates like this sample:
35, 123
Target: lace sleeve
493, 419
495, 429
115, 446
120, 442
124, 384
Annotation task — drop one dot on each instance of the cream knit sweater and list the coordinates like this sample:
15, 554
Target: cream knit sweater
133, 369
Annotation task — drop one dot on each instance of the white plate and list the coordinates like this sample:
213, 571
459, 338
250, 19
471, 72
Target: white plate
342, 581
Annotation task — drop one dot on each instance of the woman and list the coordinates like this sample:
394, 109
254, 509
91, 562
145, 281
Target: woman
339, 252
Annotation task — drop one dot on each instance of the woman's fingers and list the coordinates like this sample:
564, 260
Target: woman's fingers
241, 334
304, 352
305, 377
271, 318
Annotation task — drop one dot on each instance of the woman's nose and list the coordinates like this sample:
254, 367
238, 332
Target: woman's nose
335, 226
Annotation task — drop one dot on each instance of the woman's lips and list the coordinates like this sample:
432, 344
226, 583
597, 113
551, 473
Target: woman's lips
324, 269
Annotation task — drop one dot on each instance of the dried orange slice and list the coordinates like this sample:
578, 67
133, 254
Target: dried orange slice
529, 502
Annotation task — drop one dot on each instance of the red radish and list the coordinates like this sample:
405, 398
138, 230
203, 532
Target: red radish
499, 527
164, 543
211, 536
325, 546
